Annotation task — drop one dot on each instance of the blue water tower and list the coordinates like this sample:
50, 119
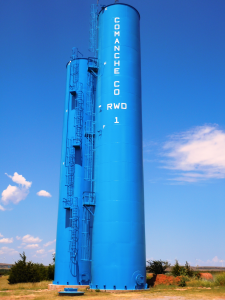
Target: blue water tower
76, 197
118, 242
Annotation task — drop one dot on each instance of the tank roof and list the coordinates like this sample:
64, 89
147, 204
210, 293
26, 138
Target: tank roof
103, 7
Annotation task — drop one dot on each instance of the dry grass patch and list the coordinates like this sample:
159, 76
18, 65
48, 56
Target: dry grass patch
39, 291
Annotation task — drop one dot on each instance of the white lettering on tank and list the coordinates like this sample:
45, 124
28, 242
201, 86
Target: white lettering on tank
116, 64
116, 106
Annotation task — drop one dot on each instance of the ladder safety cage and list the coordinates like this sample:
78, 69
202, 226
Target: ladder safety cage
73, 249
89, 196
86, 235
93, 33
71, 202
78, 118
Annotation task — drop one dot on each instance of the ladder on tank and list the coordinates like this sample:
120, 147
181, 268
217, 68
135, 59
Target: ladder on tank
93, 33
89, 197
78, 119
71, 202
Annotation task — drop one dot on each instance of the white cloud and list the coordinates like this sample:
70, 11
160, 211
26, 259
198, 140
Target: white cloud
14, 194
20, 180
49, 243
9, 251
18, 237
1, 235
213, 262
197, 154
6, 240
41, 251
2, 208
44, 194
30, 239
51, 251
32, 246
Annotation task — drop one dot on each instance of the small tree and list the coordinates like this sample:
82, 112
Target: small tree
178, 270
189, 272
157, 266
23, 271
51, 268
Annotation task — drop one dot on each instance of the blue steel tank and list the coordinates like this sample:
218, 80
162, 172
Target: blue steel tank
118, 249
72, 261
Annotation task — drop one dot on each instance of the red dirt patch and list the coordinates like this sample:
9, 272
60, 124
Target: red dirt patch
163, 279
207, 276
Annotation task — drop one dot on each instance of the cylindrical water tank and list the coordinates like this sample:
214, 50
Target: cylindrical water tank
70, 267
118, 249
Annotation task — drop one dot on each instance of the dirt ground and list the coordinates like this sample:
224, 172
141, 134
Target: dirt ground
39, 291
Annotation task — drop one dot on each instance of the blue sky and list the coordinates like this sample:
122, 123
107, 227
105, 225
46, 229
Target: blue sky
183, 84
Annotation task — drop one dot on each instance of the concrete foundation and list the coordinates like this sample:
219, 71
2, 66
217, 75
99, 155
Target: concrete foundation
55, 287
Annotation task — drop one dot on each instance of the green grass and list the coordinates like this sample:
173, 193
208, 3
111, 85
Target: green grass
195, 289
220, 279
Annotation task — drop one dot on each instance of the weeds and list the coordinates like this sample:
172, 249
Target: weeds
220, 279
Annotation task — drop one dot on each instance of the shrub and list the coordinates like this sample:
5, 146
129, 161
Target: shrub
157, 266
200, 283
182, 282
188, 271
51, 270
178, 270
220, 279
197, 275
24, 271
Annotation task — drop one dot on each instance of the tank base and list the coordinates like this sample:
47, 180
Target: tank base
121, 291
58, 287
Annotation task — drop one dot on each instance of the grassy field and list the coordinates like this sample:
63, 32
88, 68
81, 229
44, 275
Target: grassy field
30, 291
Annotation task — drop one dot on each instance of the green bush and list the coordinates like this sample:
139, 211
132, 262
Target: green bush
23, 271
220, 279
182, 282
178, 270
51, 271
157, 266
